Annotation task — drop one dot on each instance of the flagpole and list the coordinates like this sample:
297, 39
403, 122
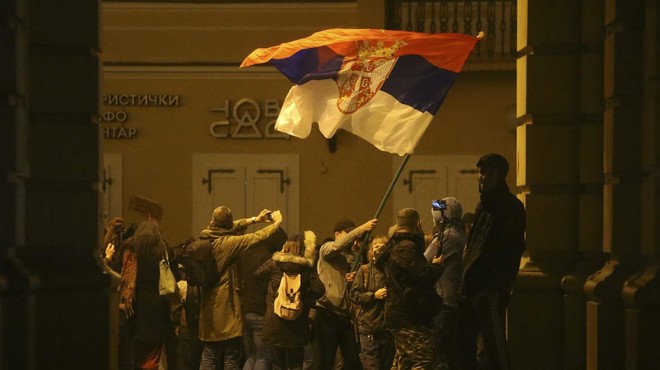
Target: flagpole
365, 239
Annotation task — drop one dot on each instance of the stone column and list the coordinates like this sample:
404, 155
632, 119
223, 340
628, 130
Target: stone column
17, 283
641, 292
550, 145
590, 229
622, 163
53, 296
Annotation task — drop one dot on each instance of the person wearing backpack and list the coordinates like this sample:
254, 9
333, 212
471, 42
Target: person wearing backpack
332, 322
220, 318
294, 287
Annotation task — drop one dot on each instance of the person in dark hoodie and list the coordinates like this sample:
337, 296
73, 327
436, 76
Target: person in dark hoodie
411, 298
491, 261
288, 337
448, 241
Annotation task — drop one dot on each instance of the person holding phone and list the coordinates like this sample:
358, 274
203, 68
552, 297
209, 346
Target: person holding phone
448, 242
220, 318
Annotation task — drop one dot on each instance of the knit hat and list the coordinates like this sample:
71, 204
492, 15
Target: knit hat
407, 219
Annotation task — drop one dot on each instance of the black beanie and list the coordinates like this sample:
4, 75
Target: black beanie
494, 160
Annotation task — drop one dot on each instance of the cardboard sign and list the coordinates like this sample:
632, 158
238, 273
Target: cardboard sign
146, 207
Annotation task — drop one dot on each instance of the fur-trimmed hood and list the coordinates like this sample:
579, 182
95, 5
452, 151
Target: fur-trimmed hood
309, 255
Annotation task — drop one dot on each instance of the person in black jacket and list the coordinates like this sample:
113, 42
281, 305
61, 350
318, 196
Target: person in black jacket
491, 261
368, 291
411, 300
288, 337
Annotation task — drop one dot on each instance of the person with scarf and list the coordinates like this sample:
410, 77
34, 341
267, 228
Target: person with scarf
491, 261
144, 318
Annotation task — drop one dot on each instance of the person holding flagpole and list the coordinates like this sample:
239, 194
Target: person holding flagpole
384, 86
332, 322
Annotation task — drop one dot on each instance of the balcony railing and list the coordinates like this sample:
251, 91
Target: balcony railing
496, 18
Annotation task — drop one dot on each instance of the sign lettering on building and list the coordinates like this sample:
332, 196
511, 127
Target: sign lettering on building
245, 116
116, 119
243, 119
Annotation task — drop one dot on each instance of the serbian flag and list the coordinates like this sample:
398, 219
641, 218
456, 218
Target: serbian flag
384, 86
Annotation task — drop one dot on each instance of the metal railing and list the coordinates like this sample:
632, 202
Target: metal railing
496, 18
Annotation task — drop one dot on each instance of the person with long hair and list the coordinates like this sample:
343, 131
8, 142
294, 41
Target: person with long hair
288, 337
144, 314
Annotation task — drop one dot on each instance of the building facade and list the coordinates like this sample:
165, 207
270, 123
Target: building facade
131, 103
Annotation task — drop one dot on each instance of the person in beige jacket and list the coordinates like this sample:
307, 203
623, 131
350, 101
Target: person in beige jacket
220, 319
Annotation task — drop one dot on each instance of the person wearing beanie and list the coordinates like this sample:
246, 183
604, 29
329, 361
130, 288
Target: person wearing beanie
448, 241
411, 301
220, 318
332, 320
491, 261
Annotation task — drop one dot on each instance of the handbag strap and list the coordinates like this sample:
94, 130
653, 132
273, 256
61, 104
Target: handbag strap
165, 254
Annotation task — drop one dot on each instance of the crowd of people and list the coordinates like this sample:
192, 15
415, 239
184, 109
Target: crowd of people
404, 299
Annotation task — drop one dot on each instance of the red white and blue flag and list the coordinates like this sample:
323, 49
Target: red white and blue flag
384, 86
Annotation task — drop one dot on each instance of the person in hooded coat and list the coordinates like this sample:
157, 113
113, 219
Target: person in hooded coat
288, 337
220, 318
448, 241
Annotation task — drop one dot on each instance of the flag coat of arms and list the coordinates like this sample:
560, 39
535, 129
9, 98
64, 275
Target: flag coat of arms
384, 86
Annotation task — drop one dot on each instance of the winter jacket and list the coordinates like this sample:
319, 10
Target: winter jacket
404, 265
220, 315
371, 312
495, 245
333, 265
291, 333
453, 244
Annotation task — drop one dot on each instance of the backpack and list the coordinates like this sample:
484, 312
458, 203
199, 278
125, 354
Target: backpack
288, 304
199, 263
